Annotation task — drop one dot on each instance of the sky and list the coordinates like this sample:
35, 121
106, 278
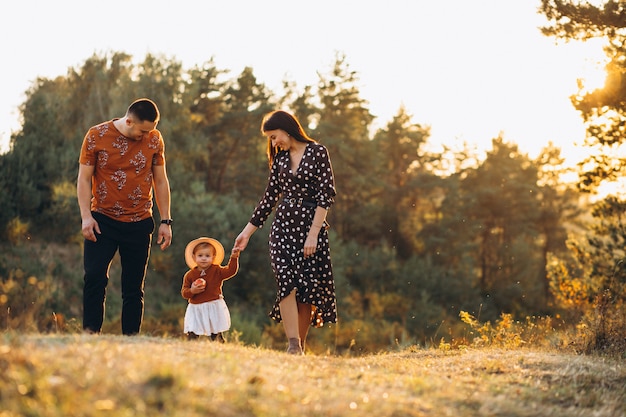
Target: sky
469, 69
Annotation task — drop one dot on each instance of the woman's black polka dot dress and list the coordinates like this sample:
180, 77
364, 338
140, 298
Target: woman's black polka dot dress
295, 196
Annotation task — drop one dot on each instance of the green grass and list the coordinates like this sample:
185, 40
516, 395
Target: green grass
105, 375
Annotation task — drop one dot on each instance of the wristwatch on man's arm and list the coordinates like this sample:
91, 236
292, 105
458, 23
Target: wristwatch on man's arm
167, 221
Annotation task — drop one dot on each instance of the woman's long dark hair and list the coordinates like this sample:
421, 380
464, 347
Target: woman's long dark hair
282, 120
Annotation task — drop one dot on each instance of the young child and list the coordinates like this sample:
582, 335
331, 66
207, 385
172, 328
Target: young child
207, 313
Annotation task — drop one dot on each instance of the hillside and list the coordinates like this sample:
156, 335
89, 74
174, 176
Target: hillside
84, 375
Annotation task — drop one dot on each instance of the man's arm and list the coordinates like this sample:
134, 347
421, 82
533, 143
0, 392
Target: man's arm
163, 198
83, 191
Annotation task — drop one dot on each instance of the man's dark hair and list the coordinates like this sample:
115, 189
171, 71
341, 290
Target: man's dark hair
145, 110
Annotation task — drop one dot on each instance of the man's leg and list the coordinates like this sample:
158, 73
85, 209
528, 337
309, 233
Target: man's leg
97, 257
134, 256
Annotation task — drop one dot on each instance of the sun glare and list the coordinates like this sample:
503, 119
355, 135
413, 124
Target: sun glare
593, 79
591, 72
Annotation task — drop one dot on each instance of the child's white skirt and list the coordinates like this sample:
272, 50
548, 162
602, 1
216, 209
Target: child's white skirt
207, 318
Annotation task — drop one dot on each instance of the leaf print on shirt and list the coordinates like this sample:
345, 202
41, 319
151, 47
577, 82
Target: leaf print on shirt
118, 210
102, 191
153, 142
91, 143
102, 129
120, 178
103, 158
121, 143
135, 196
139, 161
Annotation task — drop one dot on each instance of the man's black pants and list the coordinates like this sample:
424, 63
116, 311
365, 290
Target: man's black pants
132, 240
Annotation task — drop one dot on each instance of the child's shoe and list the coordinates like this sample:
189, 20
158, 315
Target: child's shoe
218, 337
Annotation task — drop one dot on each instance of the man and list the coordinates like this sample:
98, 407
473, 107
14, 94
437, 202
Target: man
122, 162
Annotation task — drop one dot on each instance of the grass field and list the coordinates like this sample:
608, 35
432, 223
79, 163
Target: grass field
105, 375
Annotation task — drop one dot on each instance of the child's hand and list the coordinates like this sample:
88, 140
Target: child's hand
198, 286
235, 252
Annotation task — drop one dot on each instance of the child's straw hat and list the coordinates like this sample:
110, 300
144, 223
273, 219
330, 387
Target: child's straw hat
219, 251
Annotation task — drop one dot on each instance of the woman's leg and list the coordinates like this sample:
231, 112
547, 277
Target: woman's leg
304, 322
289, 313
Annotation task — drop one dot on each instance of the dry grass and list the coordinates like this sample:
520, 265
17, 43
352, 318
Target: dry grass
82, 375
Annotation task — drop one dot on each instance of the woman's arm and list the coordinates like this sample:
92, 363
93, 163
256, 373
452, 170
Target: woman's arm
310, 244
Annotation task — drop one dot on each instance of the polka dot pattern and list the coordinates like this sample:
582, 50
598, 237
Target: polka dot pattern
312, 277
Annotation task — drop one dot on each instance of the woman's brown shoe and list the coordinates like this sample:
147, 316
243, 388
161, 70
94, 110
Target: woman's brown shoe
294, 346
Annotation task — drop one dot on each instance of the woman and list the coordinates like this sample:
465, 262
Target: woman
301, 187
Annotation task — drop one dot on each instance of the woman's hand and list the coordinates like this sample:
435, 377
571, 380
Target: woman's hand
244, 237
241, 242
310, 244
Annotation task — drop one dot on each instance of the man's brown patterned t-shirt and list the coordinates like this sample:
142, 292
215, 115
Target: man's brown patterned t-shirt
122, 181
